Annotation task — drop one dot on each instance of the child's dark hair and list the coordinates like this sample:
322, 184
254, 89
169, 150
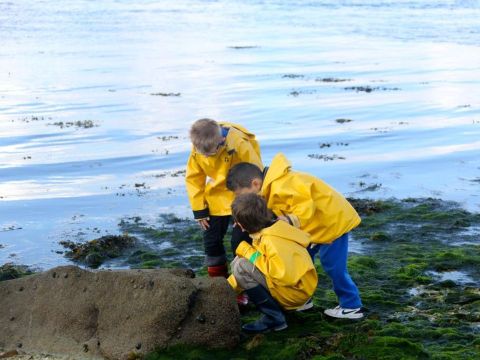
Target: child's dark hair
250, 210
241, 175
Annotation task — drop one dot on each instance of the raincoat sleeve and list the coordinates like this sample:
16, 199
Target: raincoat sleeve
270, 266
246, 153
195, 180
234, 284
302, 210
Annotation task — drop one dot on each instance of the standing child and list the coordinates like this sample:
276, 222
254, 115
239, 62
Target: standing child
315, 207
216, 148
276, 270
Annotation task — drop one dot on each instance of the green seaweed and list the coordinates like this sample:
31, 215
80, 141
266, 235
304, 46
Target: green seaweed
403, 240
95, 252
10, 271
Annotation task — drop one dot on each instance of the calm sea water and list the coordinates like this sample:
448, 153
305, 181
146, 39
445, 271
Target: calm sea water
86, 139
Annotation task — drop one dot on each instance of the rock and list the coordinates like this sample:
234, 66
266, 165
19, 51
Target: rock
11, 271
8, 354
59, 317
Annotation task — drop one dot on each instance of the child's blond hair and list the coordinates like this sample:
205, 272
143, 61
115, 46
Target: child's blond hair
205, 135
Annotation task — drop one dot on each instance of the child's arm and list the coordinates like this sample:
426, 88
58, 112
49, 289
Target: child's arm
195, 180
302, 210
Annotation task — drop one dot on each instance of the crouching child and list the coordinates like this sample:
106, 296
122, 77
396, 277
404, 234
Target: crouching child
315, 207
276, 270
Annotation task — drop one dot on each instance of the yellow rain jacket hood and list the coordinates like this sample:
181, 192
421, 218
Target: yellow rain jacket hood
206, 175
280, 253
308, 202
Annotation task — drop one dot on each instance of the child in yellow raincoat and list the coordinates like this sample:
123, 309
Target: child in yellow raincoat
315, 207
276, 270
216, 148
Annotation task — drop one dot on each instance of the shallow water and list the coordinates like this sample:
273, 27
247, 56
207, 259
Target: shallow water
416, 134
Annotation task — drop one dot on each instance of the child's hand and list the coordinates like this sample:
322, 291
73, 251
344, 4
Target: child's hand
283, 218
204, 223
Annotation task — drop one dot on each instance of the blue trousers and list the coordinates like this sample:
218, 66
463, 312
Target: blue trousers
333, 258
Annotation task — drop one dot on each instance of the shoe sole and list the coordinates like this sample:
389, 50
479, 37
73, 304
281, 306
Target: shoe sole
352, 317
305, 307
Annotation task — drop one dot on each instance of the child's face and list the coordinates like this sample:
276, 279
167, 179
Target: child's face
255, 187
221, 142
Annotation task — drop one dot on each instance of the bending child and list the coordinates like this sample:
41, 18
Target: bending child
276, 270
216, 148
315, 207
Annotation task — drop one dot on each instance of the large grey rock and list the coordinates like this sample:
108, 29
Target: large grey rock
112, 314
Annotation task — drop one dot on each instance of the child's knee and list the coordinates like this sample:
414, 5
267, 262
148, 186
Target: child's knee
240, 267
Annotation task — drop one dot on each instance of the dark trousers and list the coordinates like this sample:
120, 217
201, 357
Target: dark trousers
213, 240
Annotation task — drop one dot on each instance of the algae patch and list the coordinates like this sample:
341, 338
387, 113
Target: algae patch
412, 311
95, 252
10, 271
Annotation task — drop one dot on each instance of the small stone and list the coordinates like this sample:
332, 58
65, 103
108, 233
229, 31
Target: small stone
201, 319
135, 286
212, 322
8, 354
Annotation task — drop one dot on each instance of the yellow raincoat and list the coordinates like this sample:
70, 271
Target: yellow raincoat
280, 253
309, 203
206, 175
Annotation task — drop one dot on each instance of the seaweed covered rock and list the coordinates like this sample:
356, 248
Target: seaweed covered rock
11, 271
116, 314
93, 253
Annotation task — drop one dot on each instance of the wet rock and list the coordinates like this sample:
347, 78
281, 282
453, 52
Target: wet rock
85, 124
8, 354
243, 47
11, 271
165, 94
325, 157
332, 80
93, 253
369, 89
292, 76
106, 323
343, 121
380, 236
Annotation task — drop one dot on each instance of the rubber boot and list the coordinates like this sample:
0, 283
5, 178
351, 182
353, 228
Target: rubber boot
219, 270
272, 319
